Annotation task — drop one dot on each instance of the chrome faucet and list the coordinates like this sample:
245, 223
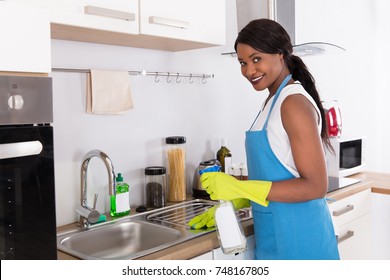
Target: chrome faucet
88, 215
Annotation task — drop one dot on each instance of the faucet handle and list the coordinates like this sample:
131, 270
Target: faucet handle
91, 215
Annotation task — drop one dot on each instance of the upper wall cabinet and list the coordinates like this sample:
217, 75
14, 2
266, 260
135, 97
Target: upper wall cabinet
172, 25
114, 16
25, 38
200, 21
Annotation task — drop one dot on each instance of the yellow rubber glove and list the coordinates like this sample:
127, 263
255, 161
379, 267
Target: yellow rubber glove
239, 203
223, 186
206, 219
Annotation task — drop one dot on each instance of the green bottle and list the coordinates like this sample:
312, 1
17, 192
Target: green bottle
224, 156
120, 202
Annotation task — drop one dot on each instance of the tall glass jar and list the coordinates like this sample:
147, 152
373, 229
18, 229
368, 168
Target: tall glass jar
155, 187
176, 156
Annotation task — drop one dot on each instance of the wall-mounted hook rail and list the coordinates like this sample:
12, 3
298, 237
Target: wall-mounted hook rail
155, 74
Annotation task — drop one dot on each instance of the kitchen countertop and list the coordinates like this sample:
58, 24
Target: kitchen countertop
377, 182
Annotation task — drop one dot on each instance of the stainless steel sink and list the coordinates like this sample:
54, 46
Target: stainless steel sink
119, 240
136, 235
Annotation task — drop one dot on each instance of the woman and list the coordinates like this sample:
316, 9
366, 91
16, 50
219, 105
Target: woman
285, 153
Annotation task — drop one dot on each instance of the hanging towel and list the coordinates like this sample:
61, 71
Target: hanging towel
108, 92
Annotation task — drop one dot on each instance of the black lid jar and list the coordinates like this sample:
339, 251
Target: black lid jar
175, 140
155, 187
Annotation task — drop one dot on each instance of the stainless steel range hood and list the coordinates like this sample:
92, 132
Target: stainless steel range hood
282, 11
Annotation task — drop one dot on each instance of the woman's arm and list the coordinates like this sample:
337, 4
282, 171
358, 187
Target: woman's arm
300, 120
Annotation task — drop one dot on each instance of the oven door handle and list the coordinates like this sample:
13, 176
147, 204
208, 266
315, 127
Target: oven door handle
20, 149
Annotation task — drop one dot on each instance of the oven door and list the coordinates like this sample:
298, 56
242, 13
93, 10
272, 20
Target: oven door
27, 198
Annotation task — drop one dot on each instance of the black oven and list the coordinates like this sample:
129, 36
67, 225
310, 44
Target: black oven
27, 198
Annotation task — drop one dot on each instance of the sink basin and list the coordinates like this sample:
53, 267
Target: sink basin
120, 240
136, 235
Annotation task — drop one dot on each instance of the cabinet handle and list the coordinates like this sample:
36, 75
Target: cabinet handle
348, 235
343, 210
169, 22
98, 11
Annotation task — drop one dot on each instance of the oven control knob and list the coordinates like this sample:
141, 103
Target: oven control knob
15, 102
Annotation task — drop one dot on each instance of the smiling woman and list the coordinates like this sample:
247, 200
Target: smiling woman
288, 133
284, 150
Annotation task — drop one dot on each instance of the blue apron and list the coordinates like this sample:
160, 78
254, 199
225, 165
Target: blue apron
301, 230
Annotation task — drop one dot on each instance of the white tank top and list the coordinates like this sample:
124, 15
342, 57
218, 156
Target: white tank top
277, 135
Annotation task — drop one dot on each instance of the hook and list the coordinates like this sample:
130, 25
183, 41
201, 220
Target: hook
156, 79
177, 78
190, 79
168, 79
204, 79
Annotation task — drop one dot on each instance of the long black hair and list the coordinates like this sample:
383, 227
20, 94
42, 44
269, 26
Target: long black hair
270, 37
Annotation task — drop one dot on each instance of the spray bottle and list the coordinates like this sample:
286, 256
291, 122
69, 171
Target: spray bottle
230, 234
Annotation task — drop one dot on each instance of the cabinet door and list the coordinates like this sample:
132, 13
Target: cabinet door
354, 239
352, 221
198, 21
349, 208
25, 38
116, 16
381, 226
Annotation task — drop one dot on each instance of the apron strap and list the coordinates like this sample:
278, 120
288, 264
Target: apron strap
258, 114
282, 85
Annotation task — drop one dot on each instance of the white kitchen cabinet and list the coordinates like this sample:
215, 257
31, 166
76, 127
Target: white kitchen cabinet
381, 226
25, 38
198, 21
352, 221
172, 25
354, 239
114, 16
249, 254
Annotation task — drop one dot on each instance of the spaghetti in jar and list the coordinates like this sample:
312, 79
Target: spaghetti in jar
176, 156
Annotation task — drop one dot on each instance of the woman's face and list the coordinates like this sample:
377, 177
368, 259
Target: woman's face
262, 70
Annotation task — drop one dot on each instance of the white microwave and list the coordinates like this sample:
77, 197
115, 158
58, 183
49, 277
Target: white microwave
348, 159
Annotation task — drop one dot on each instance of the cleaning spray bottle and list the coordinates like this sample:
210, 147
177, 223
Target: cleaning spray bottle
120, 202
230, 234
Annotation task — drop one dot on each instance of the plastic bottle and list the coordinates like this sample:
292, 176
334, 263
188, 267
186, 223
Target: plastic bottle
224, 156
230, 234
120, 202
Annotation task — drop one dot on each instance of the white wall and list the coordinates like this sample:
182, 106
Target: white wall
223, 107
356, 78
380, 119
